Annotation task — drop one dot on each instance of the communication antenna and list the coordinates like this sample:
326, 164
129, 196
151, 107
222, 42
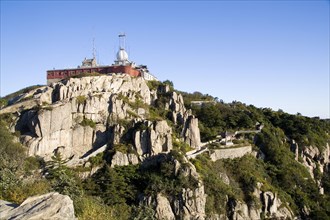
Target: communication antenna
94, 50
122, 39
93, 41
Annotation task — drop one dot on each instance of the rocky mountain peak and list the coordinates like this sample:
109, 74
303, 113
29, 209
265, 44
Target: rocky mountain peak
80, 115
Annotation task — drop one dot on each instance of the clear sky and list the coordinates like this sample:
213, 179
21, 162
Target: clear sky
267, 53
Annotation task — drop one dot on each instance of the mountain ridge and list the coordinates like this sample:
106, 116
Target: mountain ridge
144, 129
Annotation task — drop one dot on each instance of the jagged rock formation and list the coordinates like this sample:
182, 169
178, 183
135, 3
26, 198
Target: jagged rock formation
180, 115
48, 206
155, 139
316, 161
79, 115
191, 132
189, 204
163, 207
269, 204
122, 159
310, 154
29, 100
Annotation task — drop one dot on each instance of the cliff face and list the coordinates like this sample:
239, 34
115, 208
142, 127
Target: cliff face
77, 116
316, 162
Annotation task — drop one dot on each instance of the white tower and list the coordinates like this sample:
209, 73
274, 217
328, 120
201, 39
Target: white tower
122, 56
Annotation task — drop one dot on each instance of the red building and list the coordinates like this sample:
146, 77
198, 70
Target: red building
59, 74
121, 65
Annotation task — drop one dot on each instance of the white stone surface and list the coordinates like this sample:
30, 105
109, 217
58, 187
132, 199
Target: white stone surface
51, 206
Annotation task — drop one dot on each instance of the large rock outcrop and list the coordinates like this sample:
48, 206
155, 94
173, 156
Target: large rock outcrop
180, 115
123, 159
49, 206
188, 204
80, 115
191, 132
116, 84
152, 138
79, 112
163, 207
314, 160
268, 205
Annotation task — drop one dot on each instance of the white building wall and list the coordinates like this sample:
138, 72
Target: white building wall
148, 76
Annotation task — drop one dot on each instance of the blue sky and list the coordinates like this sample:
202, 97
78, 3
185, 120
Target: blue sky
267, 53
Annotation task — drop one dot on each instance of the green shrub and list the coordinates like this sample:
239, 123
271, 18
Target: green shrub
124, 122
63, 179
138, 96
18, 192
123, 97
153, 84
142, 212
154, 114
115, 186
133, 114
12, 156
169, 83
90, 207
97, 159
181, 146
124, 148
33, 163
88, 122
81, 99
48, 108
138, 104
7, 119
3, 103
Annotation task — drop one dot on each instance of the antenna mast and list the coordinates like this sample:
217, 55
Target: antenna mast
94, 50
122, 39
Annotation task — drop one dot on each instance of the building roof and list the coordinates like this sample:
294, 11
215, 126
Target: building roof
89, 62
122, 55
